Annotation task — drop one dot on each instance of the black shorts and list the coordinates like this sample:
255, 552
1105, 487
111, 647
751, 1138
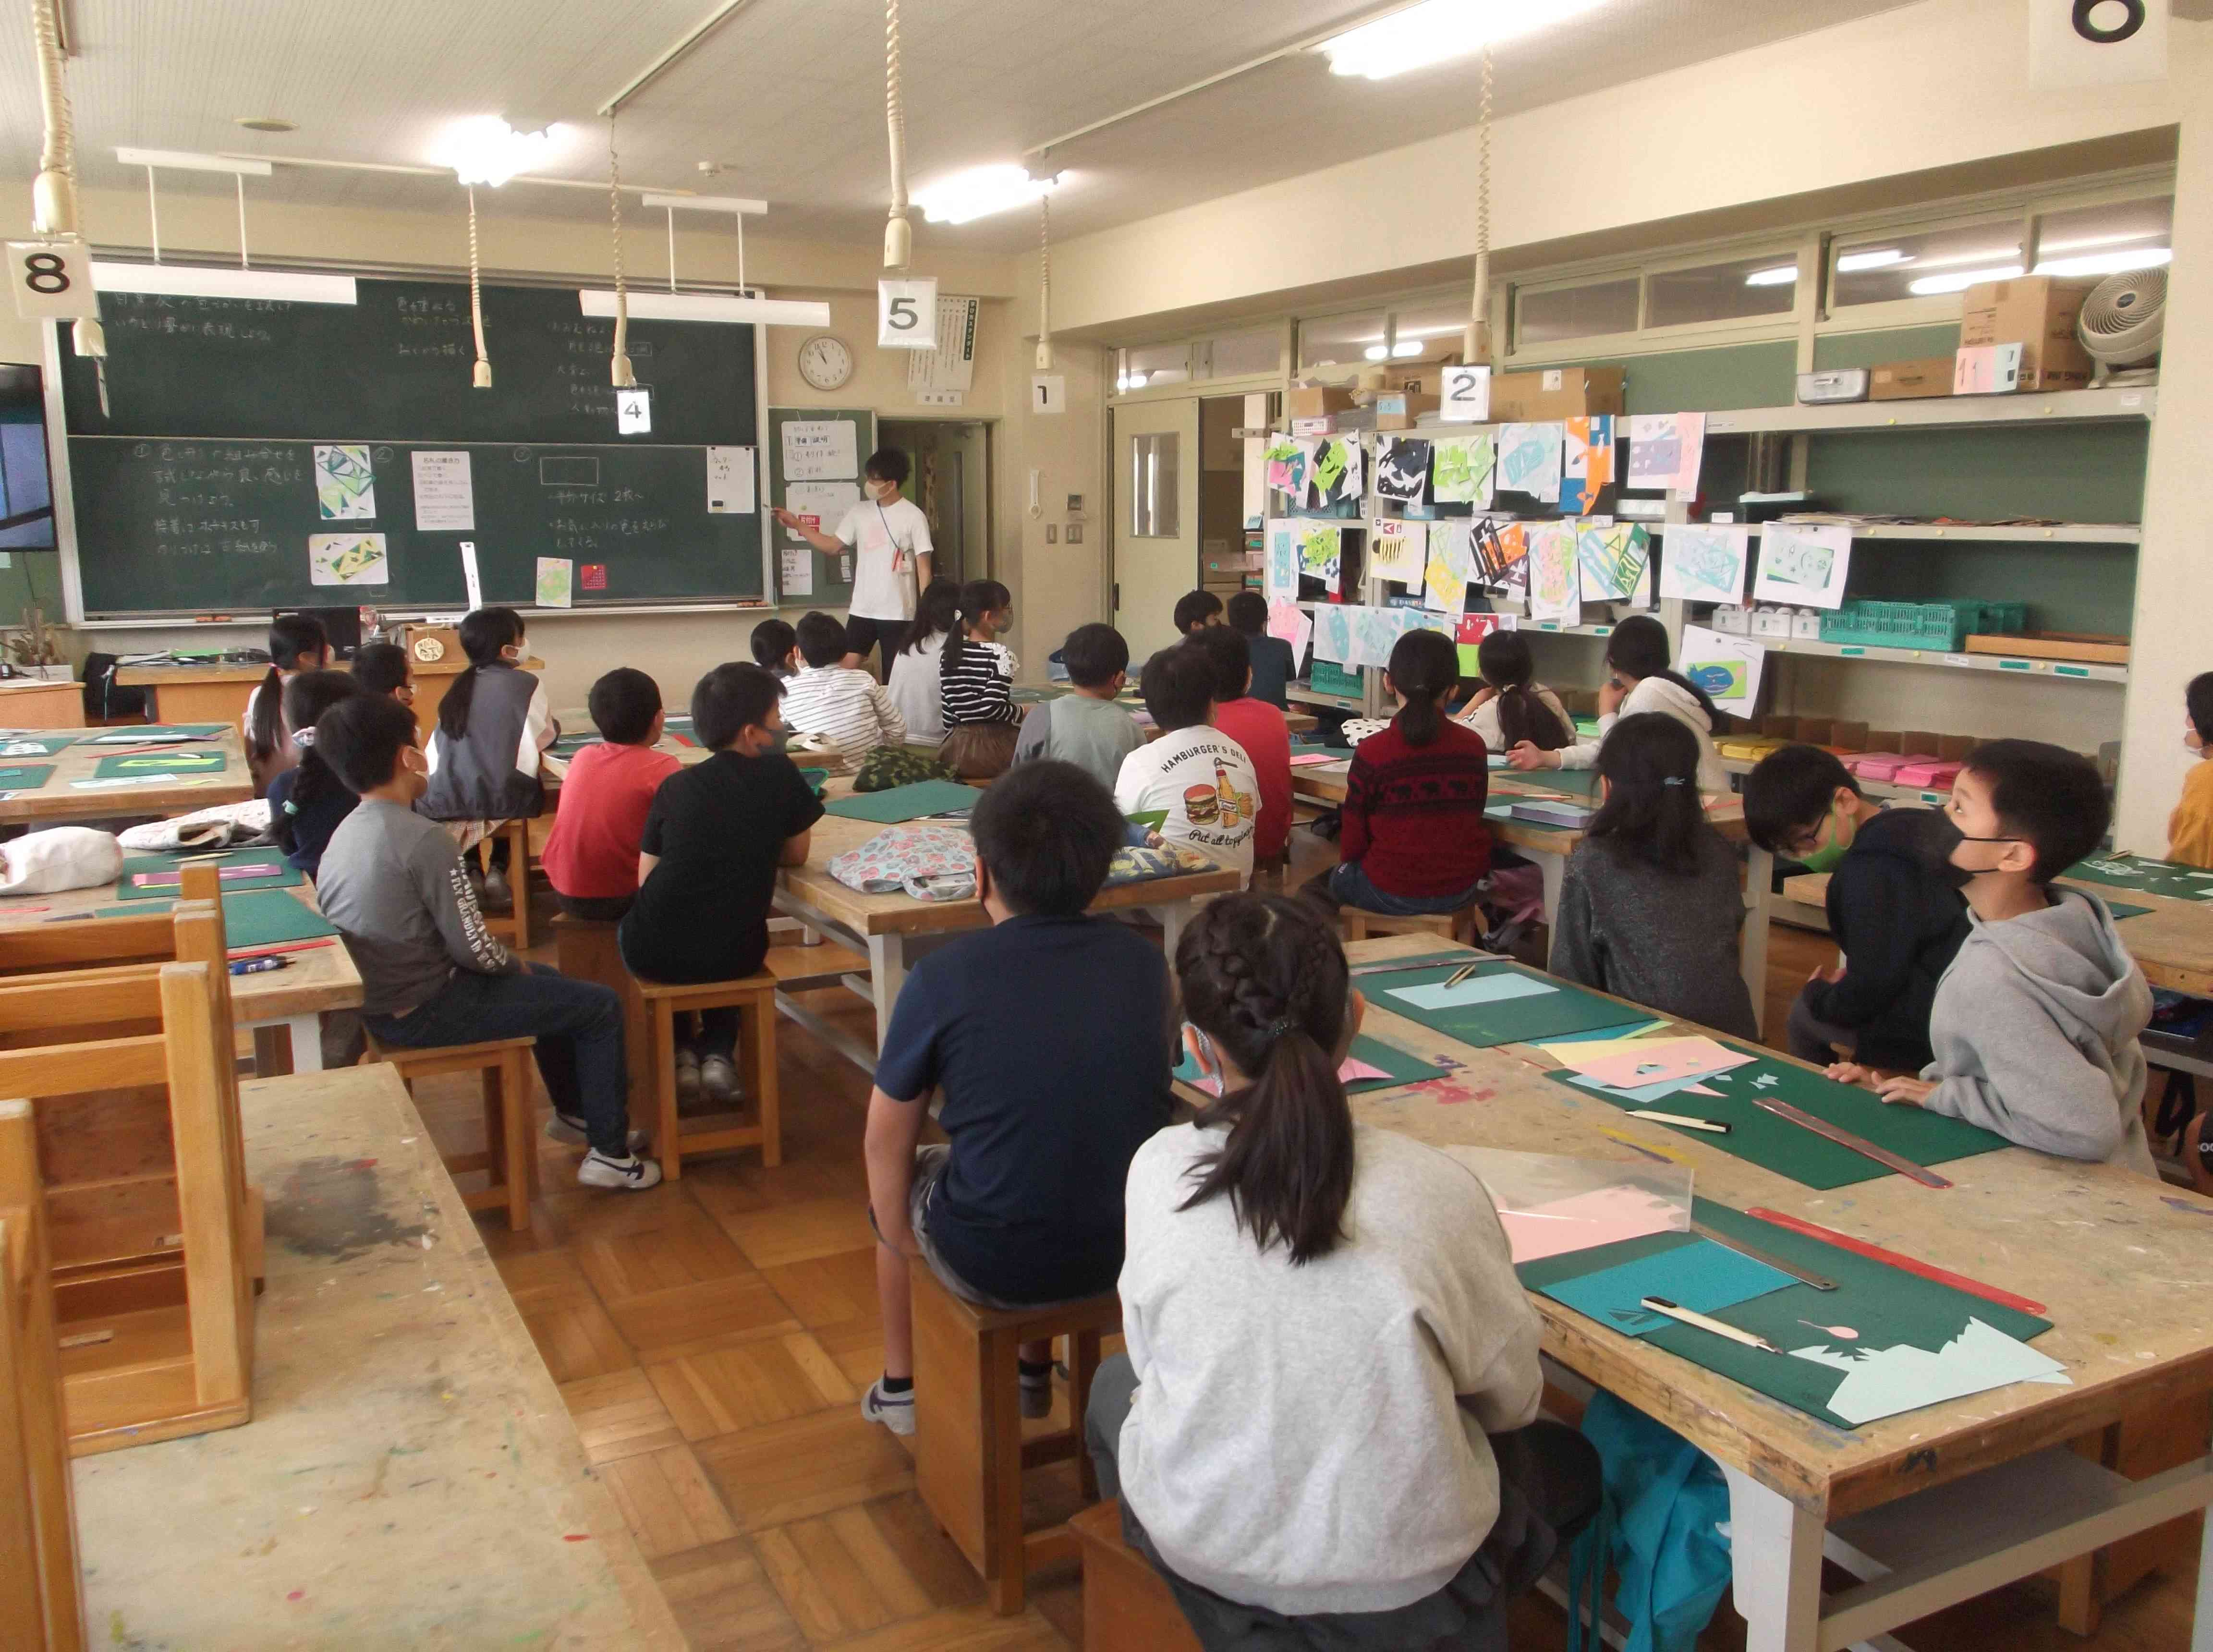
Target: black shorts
862, 635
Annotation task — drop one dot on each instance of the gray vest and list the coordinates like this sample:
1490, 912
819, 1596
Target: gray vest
476, 779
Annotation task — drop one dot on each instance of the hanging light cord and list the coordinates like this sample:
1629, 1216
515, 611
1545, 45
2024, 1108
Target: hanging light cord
1475, 346
481, 377
620, 367
899, 235
53, 195
1045, 284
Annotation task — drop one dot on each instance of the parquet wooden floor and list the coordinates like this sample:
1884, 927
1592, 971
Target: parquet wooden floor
711, 1339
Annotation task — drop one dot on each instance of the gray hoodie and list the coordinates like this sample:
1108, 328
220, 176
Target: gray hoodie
1659, 694
2034, 1030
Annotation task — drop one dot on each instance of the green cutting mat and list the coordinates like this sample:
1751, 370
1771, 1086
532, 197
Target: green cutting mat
1403, 1066
279, 875
907, 802
1509, 1020
1760, 1137
25, 777
1886, 1305
258, 919
36, 744
2121, 909
151, 732
188, 761
2148, 877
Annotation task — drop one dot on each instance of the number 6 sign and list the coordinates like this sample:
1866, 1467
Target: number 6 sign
906, 315
52, 279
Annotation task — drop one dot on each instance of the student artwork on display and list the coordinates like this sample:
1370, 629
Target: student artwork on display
1291, 621
1553, 578
1334, 472
1452, 566
1803, 564
1287, 465
1705, 563
1529, 459
1402, 468
1397, 549
1587, 463
1501, 554
1667, 451
1728, 668
1614, 561
1468, 632
1279, 574
1461, 467
1322, 552
1333, 634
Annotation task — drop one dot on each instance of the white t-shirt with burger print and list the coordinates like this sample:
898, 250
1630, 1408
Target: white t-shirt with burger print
1205, 783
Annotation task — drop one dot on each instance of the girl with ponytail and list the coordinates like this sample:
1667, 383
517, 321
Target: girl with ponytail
976, 683
297, 643
1413, 838
1324, 1328
1651, 905
1638, 680
1512, 706
308, 801
493, 727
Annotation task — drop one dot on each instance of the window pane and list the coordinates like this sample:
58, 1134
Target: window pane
2099, 241
1152, 478
1765, 285
1153, 365
1341, 340
1430, 331
1875, 270
1602, 306
1239, 355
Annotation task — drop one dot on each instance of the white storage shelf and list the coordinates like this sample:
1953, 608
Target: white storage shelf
2052, 407
1872, 788
2065, 671
2054, 532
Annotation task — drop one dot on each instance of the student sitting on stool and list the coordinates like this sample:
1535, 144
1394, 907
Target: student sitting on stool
591, 859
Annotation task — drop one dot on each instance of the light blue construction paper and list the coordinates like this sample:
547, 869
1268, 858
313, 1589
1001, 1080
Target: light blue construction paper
1600, 1034
1704, 1277
1478, 989
1643, 1098
1883, 1382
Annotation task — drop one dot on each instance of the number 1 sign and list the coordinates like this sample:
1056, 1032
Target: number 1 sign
52, 279
906, 315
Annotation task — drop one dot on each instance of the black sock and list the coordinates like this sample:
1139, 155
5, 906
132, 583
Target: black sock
891, 1385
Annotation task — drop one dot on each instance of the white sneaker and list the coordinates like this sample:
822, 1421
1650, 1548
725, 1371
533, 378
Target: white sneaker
636, 1174
497, 896
687, 1074
895, 1411
718, 1077
570, 1132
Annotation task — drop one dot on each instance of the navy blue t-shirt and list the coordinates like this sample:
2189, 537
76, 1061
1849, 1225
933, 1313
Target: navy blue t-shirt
1049, 1039
313, 825
1272, 665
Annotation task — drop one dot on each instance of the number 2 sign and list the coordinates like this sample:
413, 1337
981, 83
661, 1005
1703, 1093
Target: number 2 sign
52, 279
906, 315
1467, 396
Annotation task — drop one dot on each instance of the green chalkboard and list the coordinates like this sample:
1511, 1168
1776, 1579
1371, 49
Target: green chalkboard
194, 481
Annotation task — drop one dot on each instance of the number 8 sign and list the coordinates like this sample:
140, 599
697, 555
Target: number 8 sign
906, 315
52, 279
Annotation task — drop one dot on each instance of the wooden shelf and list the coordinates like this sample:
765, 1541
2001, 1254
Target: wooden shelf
2065, 671
2055, 407
1307, 696
2052, 533
1872, 788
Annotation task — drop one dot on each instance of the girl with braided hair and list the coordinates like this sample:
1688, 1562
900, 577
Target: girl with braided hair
1323, 1432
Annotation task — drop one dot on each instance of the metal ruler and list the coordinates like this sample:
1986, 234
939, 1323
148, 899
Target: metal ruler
1859, 1144
1780, 1264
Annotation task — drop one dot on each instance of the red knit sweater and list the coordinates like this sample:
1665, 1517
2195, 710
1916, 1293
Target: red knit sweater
1413, 814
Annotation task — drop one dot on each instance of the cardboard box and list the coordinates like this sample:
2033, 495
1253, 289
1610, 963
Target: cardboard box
1316, 401
1400, 410
1556, 392
1987, 370
2039, 313
1925, 375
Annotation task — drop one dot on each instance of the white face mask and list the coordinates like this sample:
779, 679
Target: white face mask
877, 491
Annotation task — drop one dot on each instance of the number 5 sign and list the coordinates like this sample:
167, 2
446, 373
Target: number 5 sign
1467, 396
52, 279
906, 315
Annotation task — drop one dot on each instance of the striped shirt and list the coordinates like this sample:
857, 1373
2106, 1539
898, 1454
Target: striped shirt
977, 686
850, 707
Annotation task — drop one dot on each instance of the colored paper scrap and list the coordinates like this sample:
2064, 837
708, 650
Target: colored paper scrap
1291, 621
1478, 989
1657, 1060
1604, 1216
1705, 1277
1881, 1382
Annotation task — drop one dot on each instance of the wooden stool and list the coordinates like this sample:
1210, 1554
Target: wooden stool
1468, 924
507, 1157
587, 949
754, 999
514, 927
1127, 1606
969, 1450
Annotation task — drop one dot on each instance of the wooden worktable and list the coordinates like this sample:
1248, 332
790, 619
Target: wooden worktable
411, 1477
2113, 1255
31, 703
60, 800
218, 693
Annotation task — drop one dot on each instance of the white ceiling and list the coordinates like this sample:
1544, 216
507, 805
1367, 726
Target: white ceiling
788, 95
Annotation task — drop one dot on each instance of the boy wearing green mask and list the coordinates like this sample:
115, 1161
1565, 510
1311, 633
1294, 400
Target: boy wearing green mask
1896, 921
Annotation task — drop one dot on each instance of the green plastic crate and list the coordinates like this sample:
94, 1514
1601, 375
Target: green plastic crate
1328, 678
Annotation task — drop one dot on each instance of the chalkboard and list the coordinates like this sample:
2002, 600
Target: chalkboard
195, 488
829, 585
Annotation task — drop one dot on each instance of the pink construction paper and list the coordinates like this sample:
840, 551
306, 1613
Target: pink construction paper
1659, 1061
1353, 1070
1601, 1216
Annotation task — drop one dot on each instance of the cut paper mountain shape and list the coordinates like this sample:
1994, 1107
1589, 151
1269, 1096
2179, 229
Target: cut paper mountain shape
1881, 1382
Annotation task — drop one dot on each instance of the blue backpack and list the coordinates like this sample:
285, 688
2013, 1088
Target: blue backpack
1659, 1526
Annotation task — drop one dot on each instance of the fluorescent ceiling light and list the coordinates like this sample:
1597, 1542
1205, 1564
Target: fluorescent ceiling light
1437, 31
707, 204
646, 306
1882, 258
1377, 353
2045, 245
1987, 255
185, 160
1407, 347
1782, 275
487, 150
1961, 280
980, 191
2092, 264
204, 281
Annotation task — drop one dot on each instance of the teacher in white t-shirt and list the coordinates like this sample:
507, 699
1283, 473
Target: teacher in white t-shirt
889, 539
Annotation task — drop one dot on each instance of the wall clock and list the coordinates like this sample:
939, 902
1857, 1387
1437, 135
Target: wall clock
824, 361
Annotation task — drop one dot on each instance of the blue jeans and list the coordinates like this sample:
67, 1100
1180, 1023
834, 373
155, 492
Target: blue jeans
1349, 886
578, 1025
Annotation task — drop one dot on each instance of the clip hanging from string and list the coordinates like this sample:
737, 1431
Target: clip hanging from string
480, 377
898, 235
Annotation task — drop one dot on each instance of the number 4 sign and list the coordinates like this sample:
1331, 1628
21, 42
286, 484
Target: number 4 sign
52, 279
1467, 396
906, 315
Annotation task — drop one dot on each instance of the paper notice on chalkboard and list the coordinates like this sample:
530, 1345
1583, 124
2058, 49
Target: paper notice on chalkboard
347, 559
820, 450
470, 577
730, 482
445, 495
824, 502
798, 578
555, 582
345, 484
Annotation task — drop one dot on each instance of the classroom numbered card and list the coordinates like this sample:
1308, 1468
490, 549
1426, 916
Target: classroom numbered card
730, 482
52, 280
906, 315
348, 559
346, 483
1803, 564
1466, 395
445, 492
1703, 563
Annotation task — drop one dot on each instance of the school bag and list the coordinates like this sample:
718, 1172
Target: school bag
1661, 1527
929, 860
886, 767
